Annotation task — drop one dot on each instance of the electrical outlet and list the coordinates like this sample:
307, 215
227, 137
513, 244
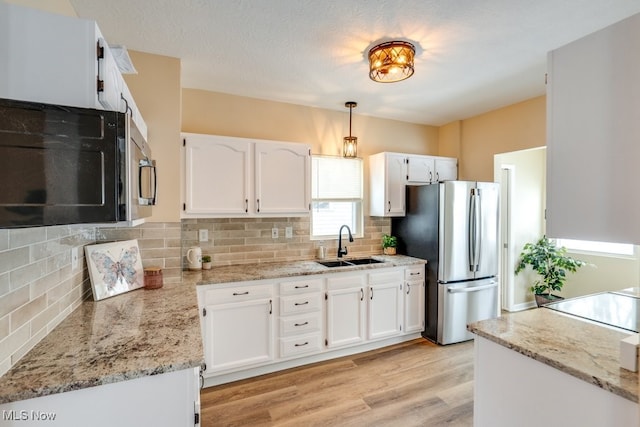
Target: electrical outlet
288, 232
274, 233
203, 235
74, 259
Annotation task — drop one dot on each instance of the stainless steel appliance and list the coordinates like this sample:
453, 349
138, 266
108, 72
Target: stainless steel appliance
454, 226
66, 165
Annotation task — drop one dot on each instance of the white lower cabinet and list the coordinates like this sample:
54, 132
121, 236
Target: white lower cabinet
240, 333
166, 399
385, 304
414, 299
256, 327
345, 310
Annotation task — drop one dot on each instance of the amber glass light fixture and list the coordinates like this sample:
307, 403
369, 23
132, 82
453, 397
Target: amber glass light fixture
350, 143
391, 61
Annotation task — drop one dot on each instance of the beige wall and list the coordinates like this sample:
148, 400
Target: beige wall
61, 7
516, 127
156, 89
222, 114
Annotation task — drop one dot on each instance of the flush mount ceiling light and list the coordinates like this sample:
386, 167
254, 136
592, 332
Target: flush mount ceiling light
391, 61
350, 143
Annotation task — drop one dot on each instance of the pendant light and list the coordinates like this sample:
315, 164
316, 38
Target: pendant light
350, 143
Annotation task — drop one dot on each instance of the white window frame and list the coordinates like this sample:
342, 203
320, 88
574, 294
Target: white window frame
614, 250
357, 202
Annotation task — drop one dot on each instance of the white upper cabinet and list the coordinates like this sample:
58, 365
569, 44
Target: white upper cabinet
389, 173
61, 60
226, 176
420, 169
446, 169
218, 173
283, 178
387, 177
593, 100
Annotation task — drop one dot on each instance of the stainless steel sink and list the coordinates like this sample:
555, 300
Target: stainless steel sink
349, 262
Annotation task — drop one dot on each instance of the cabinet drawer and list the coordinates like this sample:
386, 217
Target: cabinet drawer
236, 294
414, 273
300, 303
304, 344
300, 286
386, 277
296, 325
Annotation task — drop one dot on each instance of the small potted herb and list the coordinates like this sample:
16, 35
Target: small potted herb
389, 244
206, 262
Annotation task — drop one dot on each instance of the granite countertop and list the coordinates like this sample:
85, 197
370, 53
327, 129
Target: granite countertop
132, 335
583, 349
275, 270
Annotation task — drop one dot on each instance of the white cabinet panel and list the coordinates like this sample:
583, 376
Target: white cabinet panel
217, 175
592, 136
446, 169
238, 334
414, 301
420, 169
387, 177
385, 306
283, 172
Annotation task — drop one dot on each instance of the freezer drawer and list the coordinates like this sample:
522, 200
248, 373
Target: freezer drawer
462, 303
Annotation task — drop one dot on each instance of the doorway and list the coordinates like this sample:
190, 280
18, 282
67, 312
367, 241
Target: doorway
522, 178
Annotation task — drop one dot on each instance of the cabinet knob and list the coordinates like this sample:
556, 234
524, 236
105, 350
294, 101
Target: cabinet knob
389, 210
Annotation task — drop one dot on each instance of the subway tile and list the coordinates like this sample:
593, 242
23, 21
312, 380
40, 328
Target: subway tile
14, 341
13, 300
59, 291
27, 274
27, 312
5, 326
4, 240
35, 339
26, 236
5, 284
14, 258
40, 321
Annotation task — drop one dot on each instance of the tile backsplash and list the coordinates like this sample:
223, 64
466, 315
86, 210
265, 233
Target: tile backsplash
38, 288
249, 240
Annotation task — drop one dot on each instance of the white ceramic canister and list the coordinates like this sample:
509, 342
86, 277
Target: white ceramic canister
194, 258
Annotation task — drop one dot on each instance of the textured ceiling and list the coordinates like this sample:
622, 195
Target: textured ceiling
473, 56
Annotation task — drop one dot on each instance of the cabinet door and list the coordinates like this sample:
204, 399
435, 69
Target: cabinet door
216, 175
283, 178
414, 306
420, 169
238, 334
446, 169
384, 310
345, 316
395, 184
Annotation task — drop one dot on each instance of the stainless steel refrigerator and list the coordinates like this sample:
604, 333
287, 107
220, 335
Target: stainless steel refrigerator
454, 226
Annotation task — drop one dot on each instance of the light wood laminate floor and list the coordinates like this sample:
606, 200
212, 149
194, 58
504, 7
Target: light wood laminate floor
416, 383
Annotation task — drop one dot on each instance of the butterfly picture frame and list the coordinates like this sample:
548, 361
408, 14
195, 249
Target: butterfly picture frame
114, 268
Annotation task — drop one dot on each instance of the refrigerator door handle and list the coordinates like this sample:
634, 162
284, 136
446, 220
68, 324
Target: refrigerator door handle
472, 289
474, 230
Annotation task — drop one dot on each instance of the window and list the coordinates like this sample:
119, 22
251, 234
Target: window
336, 196
624, 249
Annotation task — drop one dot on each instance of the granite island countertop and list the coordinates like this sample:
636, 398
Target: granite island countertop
583, 349
132, 335
276, 270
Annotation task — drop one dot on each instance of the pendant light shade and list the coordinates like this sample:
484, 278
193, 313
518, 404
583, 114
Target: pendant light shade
391, 61
350, 143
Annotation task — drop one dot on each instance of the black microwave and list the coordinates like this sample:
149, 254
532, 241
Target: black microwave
67, 165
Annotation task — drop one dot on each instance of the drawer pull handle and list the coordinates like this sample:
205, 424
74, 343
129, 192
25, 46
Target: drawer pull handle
301, 303
235, 294
303, 344
301, 287
414, 274
301, 324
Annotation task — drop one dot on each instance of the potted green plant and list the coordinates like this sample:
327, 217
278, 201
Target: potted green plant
389, 244
551, 263
206, 262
